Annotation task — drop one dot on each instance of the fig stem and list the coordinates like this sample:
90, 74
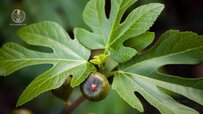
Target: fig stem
68, 109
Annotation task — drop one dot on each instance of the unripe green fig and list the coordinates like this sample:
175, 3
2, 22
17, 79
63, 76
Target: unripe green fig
95, 87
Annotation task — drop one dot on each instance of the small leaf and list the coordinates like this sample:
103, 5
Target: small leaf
109, 34
99, 59
69, 57
141, 74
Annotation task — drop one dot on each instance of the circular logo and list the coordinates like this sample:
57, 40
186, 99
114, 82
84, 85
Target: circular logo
18, 16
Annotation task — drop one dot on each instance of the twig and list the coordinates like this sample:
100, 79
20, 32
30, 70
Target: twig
68, 109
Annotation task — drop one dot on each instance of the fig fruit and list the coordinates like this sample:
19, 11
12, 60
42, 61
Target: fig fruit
95, 87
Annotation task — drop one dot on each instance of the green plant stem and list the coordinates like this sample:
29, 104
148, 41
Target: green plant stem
68, 109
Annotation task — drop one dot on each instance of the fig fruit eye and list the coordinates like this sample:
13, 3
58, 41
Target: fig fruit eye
95, 87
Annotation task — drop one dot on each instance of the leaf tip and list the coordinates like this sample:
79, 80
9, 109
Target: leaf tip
162, 5
19, 102
159, 6
24, 98
140, 108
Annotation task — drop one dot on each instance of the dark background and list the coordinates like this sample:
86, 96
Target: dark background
184, 15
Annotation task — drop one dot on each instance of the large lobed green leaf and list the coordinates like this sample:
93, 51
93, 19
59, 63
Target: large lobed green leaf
68, 57
109, 34
141, 74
